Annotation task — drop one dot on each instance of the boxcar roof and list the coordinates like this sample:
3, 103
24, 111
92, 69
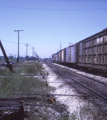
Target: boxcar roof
95, 35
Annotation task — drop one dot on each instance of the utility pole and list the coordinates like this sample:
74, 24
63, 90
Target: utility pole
32, 51
18, 43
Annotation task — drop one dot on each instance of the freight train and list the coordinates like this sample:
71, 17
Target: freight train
90, 52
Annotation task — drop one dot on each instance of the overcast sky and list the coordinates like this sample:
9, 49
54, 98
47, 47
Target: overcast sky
47, 23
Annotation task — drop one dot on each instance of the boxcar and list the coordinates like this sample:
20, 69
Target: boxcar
71, 54
55, 57
92, 51
62, 55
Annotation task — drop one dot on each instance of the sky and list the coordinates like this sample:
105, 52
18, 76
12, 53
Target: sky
49, 23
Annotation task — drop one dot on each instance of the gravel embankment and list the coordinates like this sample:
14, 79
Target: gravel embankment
77, 108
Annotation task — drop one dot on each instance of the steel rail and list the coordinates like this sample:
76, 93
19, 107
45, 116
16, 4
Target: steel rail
93, 92
19, 98
50, 94
86, 76
90, 78
98, 95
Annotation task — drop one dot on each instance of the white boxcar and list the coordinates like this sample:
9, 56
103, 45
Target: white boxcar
71, 54
62, 54
74, 53
56, 57
67, 55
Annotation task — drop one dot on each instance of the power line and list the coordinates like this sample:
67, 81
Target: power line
19, 43
6, 23
83, 0
53, 9
12, 42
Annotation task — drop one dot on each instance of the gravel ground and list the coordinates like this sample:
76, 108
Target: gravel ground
100, 78
77, 109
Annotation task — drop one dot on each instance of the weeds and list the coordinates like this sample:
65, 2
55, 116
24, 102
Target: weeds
22, 81
28, 68
11, 85
14, 82
5, 71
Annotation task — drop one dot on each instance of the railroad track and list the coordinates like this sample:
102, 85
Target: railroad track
85, 76
95, 93
68, 74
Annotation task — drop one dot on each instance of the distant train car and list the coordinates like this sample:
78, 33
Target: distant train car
92, 51
89, 53
62, 55
71, 54
55, 57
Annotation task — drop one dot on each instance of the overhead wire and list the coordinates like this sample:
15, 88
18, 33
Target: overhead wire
61, 9
6, 22
12, 42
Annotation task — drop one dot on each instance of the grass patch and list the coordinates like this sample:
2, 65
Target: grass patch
22, 80
28, 68
14, 82
25, 67
5, 71
20, 84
